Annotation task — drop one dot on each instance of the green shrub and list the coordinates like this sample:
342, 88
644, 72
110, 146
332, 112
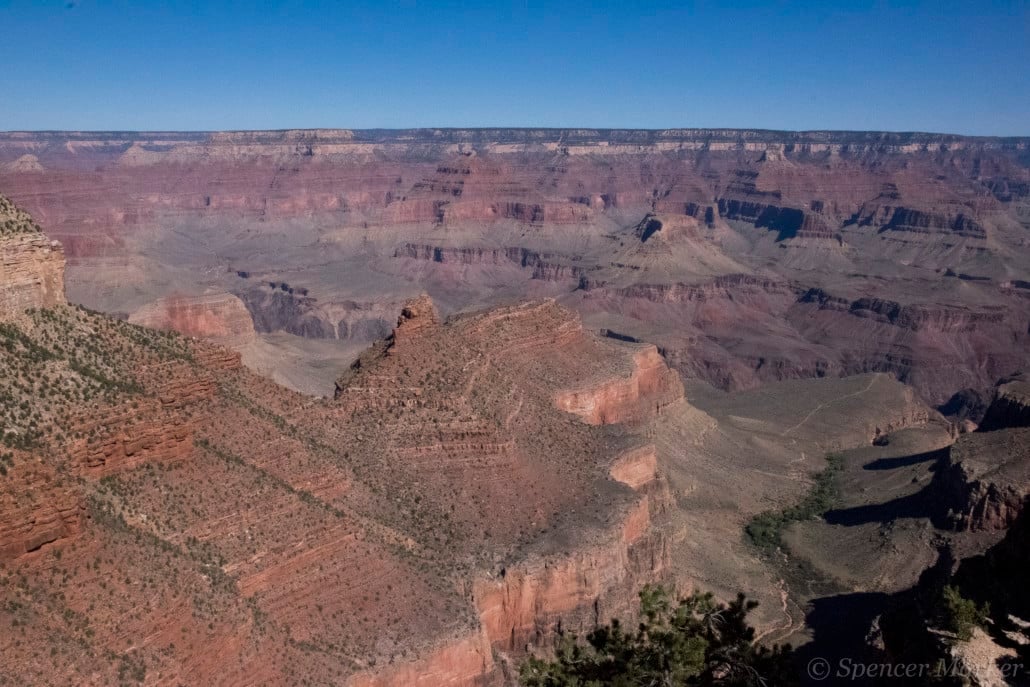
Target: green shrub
696, 641
960, 615
765, 530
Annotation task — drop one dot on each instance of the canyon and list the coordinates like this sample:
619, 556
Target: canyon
746, 256
529, 372
396, 534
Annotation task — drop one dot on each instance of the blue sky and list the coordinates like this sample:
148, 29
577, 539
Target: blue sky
961, 67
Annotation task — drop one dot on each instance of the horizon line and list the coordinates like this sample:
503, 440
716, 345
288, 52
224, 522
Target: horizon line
599, 129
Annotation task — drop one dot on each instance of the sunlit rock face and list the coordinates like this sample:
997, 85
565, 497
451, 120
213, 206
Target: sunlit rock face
218, 316
31, 264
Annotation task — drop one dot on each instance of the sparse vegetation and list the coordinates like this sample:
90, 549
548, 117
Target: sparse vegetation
14, 220
66, 359
765, 530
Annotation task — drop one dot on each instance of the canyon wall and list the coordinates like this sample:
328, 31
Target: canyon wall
984, 483
32, 273
746, 256
523, 606
31, 265
650, 386
1010, 406
38, 507
465, 662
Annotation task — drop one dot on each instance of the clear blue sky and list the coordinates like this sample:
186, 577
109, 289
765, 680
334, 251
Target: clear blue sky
961, 67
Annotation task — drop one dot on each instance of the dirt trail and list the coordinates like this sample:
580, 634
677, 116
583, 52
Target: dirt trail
823, 406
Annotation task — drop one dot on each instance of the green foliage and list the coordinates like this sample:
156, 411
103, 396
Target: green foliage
696, 641
960, 615
766, 529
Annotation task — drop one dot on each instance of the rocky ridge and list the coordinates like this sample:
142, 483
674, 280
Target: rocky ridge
985, 479
169, 515
1011, 404
31, 265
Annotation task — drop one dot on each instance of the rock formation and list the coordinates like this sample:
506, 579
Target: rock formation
985, 481
1011, 405
38, 508
218, 316
649, 386
31, 265
210, 526
279, 307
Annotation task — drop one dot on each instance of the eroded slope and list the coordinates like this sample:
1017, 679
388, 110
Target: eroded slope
168, 516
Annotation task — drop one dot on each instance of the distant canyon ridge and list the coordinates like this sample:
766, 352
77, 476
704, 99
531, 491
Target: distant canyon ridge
745, 256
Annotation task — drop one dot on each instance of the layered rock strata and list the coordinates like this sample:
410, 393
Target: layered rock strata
218, 316
210, 526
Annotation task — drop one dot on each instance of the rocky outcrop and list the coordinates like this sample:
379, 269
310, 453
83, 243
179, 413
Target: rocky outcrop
984, 483
221, 317
966, 406
984, 505
521, 607
26, 164
524, 604
465, 662
649, 387
1010, 406
273, 309
37, 508
417, 316
279, 307
996, 576
664, 228
636, 468
31, 271
31, 265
